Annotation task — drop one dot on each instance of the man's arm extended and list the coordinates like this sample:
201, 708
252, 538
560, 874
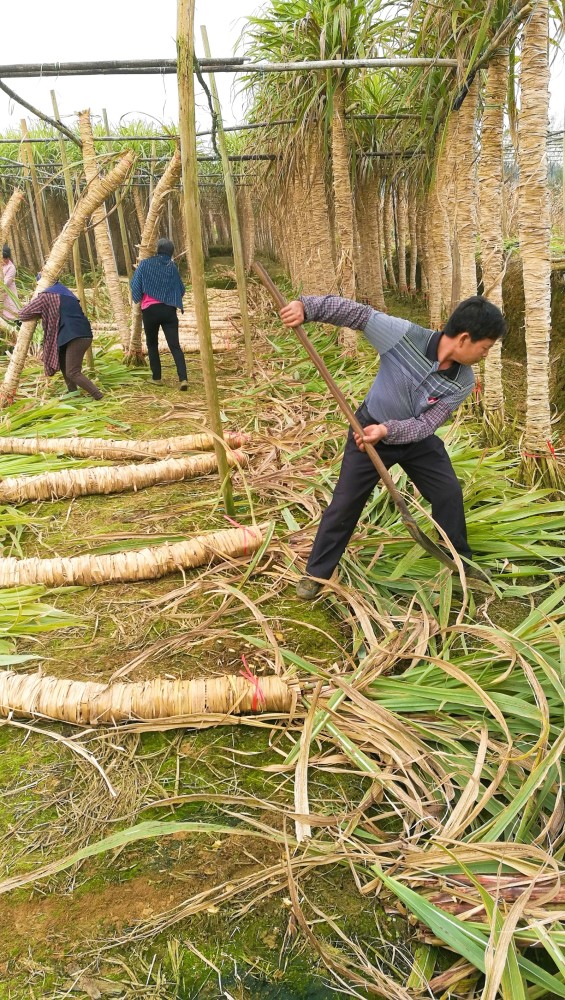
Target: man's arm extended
382, 331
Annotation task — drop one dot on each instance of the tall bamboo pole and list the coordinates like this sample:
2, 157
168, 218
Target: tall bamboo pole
45, 242
232, 210
29, 195
152, 169
191, 211
121, 217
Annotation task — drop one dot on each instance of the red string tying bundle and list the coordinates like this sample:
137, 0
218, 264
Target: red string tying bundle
533, 454
258, 696
236, 524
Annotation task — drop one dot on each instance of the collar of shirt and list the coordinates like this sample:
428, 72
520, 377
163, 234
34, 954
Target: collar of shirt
431, 354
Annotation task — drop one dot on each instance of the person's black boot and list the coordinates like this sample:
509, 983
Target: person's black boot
307, 588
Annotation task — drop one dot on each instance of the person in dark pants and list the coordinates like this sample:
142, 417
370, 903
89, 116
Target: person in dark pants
157, 284
67, 335
423, 377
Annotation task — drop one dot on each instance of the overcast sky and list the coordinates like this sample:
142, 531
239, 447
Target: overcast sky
68, 30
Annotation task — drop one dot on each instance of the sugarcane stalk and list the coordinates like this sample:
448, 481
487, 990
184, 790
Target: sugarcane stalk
232, 210
191, 206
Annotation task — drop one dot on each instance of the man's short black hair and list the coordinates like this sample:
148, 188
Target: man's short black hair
166, 246
478, 317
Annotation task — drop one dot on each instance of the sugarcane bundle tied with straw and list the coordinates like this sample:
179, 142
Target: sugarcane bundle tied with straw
86, 703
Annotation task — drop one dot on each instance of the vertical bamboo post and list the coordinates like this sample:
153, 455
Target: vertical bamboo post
191, 211
232, 210
152, 169
170, 216
44, 241
34, 262
121, 217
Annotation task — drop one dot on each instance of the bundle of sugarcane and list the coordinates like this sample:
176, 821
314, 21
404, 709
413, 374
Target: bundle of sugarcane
66, 483
78, 447
143, 564
86, 703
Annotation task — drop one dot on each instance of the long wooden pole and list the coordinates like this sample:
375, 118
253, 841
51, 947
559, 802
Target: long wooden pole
121, 217
234, 220
191, 206
45, 242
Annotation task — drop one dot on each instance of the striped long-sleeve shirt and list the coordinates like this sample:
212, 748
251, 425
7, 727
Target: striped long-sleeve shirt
409, 395
47, 307
159, 278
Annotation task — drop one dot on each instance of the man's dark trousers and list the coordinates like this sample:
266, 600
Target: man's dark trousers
426, 463
154, 317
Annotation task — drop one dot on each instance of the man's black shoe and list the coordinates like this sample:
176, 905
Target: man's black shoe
307, 588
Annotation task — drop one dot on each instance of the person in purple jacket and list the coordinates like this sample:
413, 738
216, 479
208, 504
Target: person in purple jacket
424, 375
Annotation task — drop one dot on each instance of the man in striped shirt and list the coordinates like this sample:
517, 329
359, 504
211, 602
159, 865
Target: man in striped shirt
423, 377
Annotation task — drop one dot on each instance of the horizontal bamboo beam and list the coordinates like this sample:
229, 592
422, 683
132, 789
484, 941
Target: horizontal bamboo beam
167, 66
245, 127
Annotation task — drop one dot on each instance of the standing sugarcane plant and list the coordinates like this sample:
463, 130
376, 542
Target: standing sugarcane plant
535, 232
8, 216
101, 233
147, 246
490, 168
93, 197
191, 211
